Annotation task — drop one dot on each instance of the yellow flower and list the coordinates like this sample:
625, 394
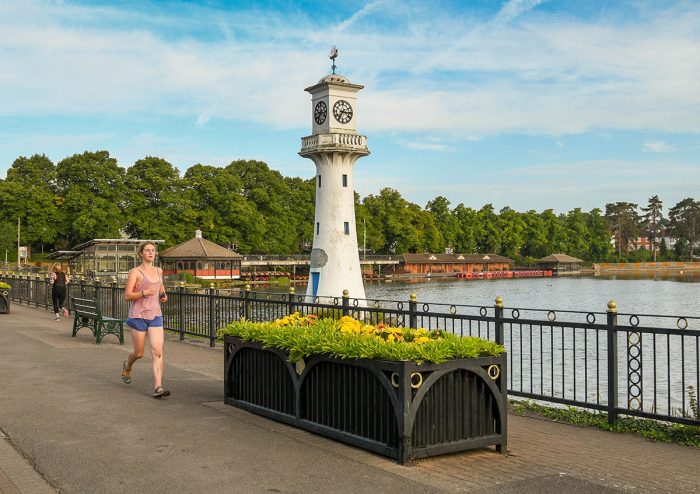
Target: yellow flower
421, 339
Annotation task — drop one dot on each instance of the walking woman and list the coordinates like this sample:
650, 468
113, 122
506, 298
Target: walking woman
145, 290
58, 280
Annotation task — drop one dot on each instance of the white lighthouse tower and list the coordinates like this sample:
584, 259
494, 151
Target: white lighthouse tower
334, 146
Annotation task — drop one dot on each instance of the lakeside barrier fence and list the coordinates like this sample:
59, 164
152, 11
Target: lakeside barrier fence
643, 365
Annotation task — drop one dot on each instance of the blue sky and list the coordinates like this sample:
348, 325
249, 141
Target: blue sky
523, 103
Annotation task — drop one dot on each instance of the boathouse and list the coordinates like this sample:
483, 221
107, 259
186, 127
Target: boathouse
202, 258
452, 264
102, 258
560, 263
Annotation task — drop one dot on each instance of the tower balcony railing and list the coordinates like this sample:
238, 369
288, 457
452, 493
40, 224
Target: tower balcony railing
329, 141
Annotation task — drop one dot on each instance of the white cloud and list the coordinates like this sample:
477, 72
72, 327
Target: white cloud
658, 147
544, 74
515, 8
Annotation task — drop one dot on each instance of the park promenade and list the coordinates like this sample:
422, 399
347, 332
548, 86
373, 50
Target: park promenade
68, 424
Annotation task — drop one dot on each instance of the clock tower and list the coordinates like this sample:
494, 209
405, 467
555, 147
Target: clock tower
334, 146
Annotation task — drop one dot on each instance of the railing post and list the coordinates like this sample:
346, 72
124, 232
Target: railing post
113, 288
498, 319
82, 288
291, 300
612, 362
181, 310
413, 311
37, 286
346, 302
246, 302
97, 292
212, 315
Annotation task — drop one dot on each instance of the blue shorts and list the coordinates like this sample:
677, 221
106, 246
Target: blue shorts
143, 324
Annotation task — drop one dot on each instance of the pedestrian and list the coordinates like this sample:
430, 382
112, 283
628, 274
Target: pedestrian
144, 289
58, 281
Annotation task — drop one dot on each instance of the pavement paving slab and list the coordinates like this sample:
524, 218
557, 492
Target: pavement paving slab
68, 424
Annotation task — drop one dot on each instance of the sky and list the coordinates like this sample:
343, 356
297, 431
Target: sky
529, 104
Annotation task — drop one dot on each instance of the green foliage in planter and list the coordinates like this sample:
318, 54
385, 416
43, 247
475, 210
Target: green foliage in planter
352, 339
4, 285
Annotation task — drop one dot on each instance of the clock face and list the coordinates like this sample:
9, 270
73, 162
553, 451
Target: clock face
320, 112
342, 111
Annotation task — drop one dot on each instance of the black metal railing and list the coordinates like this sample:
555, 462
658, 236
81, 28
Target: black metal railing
643, 365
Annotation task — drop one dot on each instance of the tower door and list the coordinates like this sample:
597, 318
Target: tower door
314, 283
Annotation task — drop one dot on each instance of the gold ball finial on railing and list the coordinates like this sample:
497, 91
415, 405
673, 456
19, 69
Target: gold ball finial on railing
211, 285
346, 293
247, 287
182, 284
612, 306
413, 297
291, 290
499, 302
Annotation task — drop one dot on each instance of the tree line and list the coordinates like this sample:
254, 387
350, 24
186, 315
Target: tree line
258, 210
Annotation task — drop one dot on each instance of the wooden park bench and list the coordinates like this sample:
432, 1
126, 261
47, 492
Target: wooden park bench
89, 315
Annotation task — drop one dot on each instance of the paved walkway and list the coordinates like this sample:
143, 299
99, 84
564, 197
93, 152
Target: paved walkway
68, 424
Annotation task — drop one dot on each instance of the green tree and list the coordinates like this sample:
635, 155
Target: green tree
445, 221
599, 246
158, 209
468, 229
489, 235
221, 211
652, 219
535, 241
512, 228
623, 221
29, 193
555, 229
93, 195
685, 224
577, 234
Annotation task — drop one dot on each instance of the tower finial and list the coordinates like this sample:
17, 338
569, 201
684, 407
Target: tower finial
333, 55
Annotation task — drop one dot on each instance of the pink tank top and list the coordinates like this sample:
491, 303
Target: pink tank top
146, 307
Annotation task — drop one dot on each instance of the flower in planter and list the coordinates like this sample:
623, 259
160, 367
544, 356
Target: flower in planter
353, 339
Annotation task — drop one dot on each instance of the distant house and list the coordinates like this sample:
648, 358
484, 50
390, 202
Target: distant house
448, 264
559, 263
201, 258
102, 258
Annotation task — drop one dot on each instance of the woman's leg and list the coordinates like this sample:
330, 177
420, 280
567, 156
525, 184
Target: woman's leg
139, 339
155, 341
54, 299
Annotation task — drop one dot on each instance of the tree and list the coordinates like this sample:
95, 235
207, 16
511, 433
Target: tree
599, 246
221, 211
489, 236
685, 224
512, 228
94, 196
623, 221
577, 234
444, 220
468, 229
652, 218
29, 193
156, 199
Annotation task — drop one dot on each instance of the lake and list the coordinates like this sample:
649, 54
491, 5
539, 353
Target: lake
672, 294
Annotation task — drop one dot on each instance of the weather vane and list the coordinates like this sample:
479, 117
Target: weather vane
333, 55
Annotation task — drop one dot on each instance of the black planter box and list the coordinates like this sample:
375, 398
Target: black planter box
4, 300
398, 409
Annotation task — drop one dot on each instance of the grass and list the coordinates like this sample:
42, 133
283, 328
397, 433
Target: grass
685, 435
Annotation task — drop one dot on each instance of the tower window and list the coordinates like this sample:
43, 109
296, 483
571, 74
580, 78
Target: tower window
346, 226
319, 181
345, 180
318, 227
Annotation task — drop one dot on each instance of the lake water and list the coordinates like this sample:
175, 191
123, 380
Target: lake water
677, 295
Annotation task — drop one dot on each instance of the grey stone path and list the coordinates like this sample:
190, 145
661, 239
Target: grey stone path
68, 424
